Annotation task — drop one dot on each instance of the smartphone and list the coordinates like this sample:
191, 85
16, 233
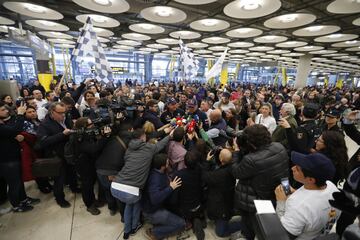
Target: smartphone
19, 102
286, 186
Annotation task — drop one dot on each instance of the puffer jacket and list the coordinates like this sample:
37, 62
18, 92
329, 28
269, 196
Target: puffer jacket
259, 173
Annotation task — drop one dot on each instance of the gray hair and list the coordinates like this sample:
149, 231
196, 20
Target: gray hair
53, 105
289, 108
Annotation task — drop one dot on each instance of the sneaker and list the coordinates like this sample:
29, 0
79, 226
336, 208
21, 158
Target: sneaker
133, 232
93, 210
31, 201
149, 234
63, 203
198, 230
126, 235
99, 203
182, 235
112, 212
23, 208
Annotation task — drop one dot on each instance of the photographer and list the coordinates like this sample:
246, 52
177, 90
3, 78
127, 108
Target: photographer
259, 171
88, 146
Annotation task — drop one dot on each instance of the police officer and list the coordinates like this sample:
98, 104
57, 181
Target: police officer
304, 136
171, 112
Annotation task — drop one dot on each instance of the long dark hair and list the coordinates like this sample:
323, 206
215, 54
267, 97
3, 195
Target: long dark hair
336, 150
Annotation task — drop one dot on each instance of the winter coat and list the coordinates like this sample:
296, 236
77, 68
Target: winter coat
259, 173
138, 158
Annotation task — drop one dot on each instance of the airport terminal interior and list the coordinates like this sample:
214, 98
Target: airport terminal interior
201, 73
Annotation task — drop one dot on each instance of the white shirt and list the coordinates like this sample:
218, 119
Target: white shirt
269, 122
308, 213
224, 107
40, 103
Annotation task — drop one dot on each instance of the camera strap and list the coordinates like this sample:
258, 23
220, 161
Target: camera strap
121, 142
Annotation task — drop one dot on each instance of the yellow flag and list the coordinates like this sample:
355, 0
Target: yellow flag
237, 71
339, 83
210, 64
276, 77
284, 77
224, 74
326, 82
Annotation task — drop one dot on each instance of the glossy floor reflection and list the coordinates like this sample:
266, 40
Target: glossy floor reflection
49, 222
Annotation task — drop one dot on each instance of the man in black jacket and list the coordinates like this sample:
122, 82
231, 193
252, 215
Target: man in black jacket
52, 135
221, 187
10, 161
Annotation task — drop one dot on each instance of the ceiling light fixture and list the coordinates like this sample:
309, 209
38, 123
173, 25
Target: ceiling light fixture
290, 43
103, 2
215, 38
308, 47
339, 35
47, 23
135, 35
34, 8
163, 11
98, 18
351, 42
250, 5
244, 30
269, 37
209, 22
146, 26
185, 33
314, 28
288, 18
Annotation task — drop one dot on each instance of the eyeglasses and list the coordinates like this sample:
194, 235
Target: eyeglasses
62, 113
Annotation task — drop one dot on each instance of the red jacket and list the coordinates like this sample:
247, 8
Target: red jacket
28, 155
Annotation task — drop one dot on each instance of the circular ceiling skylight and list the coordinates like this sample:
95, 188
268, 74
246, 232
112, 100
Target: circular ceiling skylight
344, 6
244, 32
185, 34
316, 30
215, 40
146, 28
240, 44
291, 44
170, 41
104, 6
337, 37
270, 39
99, 20
6, 21
291, 20
251, 8
33, 10
136, 36
163, 14
47, 25
209, 25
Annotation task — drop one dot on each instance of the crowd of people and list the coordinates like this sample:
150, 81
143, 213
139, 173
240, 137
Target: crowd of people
179, 154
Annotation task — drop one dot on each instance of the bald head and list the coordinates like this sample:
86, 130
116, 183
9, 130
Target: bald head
215, 115
225, 156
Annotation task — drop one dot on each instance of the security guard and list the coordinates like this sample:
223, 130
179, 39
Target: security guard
304, 136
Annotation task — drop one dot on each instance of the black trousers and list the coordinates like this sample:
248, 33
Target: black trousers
3, 190
11, 172
87, 172
59, 181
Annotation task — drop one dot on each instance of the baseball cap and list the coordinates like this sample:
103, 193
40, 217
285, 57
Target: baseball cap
171, 101
317, 163
191, 103
333, 112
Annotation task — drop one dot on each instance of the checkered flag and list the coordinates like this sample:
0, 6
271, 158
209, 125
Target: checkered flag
88, 44
189, 64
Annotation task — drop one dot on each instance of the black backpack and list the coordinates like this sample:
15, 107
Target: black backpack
71, 152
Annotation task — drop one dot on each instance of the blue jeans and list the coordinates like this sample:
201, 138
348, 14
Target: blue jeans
132, 208
165, 223
224, 228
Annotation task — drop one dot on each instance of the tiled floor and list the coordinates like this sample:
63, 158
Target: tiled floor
49, 222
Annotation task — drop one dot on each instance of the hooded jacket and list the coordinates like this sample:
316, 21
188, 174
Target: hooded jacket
138, 158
